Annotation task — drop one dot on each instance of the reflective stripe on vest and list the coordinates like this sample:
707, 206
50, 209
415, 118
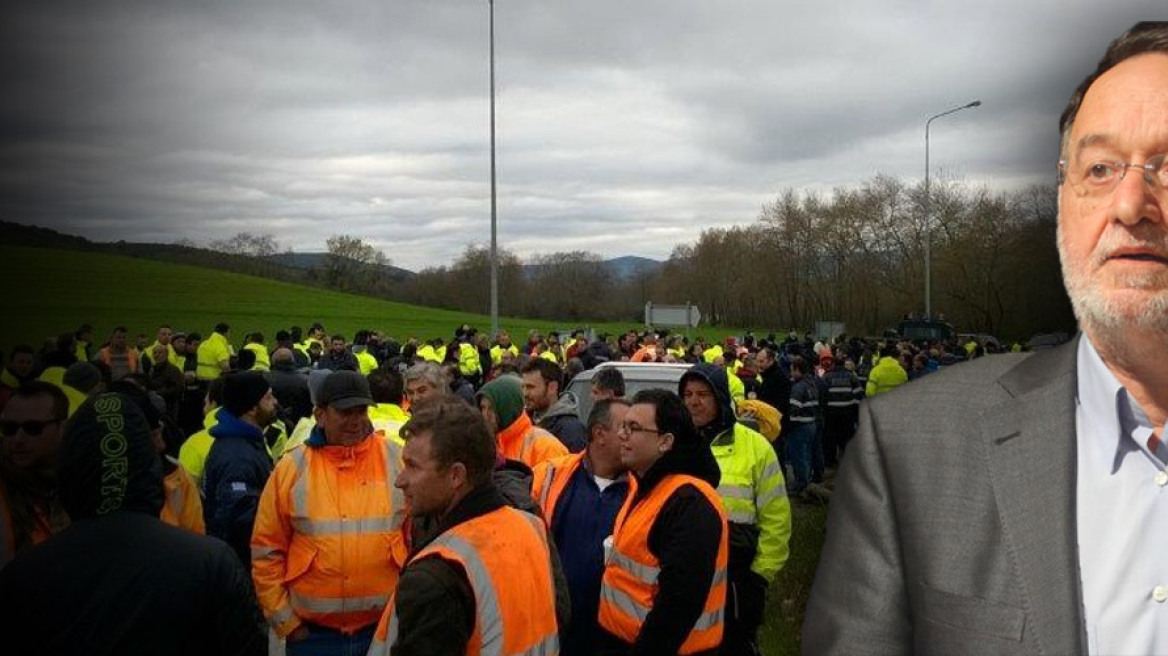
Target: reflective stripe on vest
559, 472
629, 585
493, 635
546, 491
175, 501
301, 516
317, 595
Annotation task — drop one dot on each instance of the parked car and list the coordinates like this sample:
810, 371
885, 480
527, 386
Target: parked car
638, 376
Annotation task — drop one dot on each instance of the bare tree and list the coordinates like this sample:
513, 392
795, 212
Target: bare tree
246, 243
352, 264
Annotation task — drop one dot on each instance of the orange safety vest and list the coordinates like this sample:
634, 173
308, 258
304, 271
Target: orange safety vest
549, 478
131, 358
46, 522
515, 607
327, 546
528, 443
629, 586
183, 507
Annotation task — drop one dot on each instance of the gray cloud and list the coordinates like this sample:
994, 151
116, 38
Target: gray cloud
624, 128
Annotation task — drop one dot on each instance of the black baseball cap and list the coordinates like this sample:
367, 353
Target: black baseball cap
345, 389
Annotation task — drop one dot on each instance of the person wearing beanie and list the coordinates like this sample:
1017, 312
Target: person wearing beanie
323, 589
30, 437
501, 403
664, 586
754, 494
119, 580
239, 464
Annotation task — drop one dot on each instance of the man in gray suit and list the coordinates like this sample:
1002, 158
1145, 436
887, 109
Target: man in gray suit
1035, 521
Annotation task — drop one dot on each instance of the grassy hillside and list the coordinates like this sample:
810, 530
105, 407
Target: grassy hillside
47, 292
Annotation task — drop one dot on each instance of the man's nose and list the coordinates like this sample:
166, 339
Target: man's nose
1134, 200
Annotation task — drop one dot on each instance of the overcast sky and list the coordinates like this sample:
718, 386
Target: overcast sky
623, 128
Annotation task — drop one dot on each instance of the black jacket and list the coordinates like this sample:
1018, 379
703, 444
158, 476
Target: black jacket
775, 388
118, 580
290, 387
434, 600
685, 539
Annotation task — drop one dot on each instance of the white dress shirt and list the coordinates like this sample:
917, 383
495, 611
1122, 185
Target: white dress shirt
1122, 513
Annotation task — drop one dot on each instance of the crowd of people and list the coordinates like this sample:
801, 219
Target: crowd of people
364, 484
441, 497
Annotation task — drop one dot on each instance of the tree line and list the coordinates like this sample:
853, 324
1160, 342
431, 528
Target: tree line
854, 255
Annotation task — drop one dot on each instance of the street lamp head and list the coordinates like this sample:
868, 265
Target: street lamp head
976, 103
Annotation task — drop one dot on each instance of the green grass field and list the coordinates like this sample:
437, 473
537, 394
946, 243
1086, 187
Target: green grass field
53, 291
787, 600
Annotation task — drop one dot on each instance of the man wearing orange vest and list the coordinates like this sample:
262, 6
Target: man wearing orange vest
327, 546
121, 358
483, 584
580, 495
31, 426
664, 585
501, 402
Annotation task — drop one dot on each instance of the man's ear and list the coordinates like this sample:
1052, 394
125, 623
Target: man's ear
457, 474
666, 443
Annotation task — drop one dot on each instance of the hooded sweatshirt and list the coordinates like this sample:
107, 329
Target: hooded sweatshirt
685, 538
561, 419
506, 398
715, 377
743, 537
119, 580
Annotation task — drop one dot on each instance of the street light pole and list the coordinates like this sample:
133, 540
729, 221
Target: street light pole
929, 209
494, 214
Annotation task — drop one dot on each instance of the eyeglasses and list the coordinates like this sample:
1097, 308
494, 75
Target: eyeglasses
34, 428
629, 429
1096, 178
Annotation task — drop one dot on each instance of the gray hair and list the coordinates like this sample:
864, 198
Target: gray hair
428, 371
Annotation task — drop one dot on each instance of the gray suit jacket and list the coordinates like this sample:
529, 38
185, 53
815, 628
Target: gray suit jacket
952, 526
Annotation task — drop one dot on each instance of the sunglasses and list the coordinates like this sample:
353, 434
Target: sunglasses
34, 428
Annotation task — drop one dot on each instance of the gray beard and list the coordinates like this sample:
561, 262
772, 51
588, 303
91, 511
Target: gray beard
1109, 320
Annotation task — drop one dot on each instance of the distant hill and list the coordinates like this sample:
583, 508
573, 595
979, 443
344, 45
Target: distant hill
289, 267
622, 268
310, 261
631, 266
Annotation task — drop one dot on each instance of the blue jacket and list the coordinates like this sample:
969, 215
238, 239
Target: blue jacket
236, 471
583, 518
